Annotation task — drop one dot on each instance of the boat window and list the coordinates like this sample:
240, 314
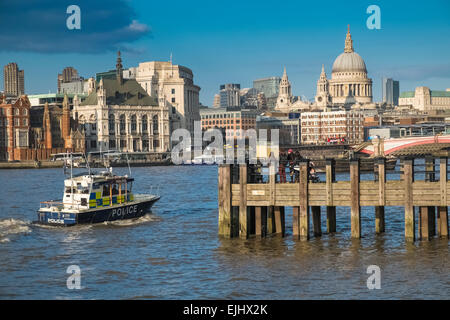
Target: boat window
68, 190
130, 185
105, 190
115, 189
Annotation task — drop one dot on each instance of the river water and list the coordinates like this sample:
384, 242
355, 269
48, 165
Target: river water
175, 253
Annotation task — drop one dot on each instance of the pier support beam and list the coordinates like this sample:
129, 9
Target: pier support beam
295, 222
270, 219
408, 178
303, 193
243, 212
443, 222
355, 208
331, 210
315, 210
431, 177
380, 176
425, 232
279, 221
443, 209
258, 222
224, 200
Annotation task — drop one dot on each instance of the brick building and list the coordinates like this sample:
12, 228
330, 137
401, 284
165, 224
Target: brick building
35, 133
234, 119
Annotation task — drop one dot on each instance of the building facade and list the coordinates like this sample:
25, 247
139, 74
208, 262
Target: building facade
390, 91
349, 83
270, 88
121, 115
332, 127
175, 85
14, 127
424, 99
230, 95
233, 119
13, 80
69, 74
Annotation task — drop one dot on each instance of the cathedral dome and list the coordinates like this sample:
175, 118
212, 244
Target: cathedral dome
349, 62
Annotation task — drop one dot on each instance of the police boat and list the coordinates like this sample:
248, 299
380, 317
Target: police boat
94, 198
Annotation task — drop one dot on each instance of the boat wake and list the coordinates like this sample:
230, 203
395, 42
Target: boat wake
12, 226
132, 222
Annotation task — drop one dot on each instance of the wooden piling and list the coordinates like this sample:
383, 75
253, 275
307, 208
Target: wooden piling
430, 176
315, 210
443, 222
270, 220
331, 210
279, 221
243, 212
424, 224
379, 210
224, 185
295, 222
303, 199
443, 209
408, 178
258, 222
355, 207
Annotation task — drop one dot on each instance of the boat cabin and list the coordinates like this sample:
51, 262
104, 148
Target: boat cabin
94, 191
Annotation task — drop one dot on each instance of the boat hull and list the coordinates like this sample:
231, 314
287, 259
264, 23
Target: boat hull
130, 210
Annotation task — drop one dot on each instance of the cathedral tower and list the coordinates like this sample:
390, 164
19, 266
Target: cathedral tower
322, 93
284, 95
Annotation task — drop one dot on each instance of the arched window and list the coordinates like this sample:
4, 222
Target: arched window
122, 123
144, 123
133, 123
112, 126
155, 124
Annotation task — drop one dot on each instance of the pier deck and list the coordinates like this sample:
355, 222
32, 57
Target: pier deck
247, 209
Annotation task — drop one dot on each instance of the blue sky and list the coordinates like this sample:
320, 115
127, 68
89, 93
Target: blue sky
234, 41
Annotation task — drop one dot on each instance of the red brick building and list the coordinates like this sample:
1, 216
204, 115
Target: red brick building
55, 132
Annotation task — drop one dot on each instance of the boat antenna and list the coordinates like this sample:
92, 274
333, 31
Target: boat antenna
87, 163
128, 162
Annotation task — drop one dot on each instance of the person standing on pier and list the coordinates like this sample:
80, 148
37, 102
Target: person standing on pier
282, 168
290, 159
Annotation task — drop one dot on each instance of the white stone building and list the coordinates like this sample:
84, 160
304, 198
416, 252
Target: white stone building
175, 85
424, 99
348, 87
119, 115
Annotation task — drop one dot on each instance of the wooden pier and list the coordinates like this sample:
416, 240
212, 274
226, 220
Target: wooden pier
247, 209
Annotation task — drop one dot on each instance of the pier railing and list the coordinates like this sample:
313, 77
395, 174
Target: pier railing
258, 209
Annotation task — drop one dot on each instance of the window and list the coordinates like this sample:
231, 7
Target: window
173, 100
173, 91
133, 123
16, 111
112, 125
93, 144
155, 124
16, 122
25, 122
144, 123
122, 124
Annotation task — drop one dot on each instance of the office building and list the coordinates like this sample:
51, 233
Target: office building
13, 80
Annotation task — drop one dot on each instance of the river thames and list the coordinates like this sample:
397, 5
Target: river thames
175, 253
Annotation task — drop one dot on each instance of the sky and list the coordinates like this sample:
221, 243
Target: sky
228, 41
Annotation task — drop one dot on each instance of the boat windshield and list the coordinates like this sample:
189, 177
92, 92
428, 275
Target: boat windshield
79, 190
